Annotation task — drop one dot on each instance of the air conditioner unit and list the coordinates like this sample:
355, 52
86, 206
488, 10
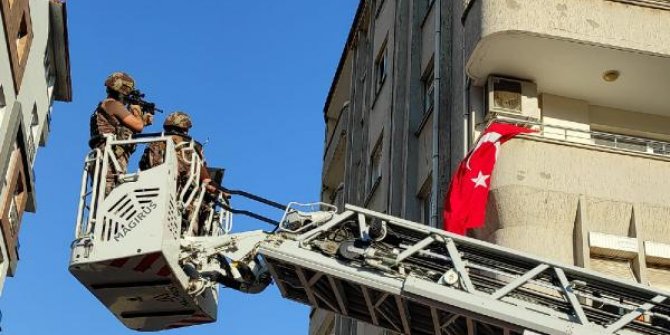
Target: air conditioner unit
512, 98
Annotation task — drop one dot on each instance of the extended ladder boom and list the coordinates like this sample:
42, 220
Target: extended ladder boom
414, 279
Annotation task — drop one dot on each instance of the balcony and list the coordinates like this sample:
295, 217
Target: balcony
594, 140
334, 154
567, 46
548, 185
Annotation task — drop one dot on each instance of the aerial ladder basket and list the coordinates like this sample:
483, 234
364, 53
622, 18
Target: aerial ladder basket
155, 264
127, 245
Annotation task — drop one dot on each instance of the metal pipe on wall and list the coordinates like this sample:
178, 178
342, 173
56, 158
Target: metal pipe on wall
436, 114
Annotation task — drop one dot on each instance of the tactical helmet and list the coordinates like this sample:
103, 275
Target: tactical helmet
120, 82
179, 120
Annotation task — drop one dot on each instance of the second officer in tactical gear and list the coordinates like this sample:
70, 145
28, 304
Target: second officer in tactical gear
178, 125
111, 117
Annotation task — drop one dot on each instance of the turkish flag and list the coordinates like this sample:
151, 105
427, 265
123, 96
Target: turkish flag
465, 203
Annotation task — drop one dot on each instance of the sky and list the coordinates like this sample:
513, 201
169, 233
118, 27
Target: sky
254, 75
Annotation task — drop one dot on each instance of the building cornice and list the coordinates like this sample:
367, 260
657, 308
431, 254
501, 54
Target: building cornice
61, 50
343, 58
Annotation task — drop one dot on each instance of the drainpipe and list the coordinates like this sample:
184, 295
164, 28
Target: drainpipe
436, 114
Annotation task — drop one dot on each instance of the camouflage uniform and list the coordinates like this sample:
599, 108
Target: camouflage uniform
154, 155
102, 123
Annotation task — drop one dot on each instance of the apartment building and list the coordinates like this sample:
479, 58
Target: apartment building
418, 80
34, 72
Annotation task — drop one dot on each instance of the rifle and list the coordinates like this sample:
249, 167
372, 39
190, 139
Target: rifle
137, 98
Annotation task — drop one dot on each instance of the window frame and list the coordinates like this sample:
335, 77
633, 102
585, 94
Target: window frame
427, 84
375, 172
425, 197
381, 67
428, 90
380, 7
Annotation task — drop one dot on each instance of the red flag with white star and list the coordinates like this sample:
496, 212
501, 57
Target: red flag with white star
465, 202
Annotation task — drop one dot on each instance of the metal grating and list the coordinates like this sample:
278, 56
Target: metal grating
418, 280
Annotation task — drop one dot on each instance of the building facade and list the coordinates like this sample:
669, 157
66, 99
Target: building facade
34, 72
418, 80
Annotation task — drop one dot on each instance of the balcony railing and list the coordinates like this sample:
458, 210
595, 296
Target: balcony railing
660, 4
609, 141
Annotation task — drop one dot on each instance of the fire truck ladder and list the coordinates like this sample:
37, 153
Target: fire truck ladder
414, 279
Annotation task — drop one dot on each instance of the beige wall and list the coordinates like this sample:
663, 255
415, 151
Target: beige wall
578, 114
598, 22
630, 123
35, 93
540, 190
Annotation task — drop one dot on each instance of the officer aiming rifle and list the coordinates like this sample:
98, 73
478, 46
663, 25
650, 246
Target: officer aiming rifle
122, 113
137, 98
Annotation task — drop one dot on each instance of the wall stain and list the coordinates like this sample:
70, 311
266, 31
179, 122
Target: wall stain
520, 175
562, 8
545, 175
593, 24
513, 4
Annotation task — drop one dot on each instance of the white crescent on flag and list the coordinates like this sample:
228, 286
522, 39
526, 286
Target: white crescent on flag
491, 137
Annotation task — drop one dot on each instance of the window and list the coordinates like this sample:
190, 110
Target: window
22, 38
426, 204
14, 211
381, 68
33, 134
428, 91
375, 165
14, 195
426, 201
380, 5
3, 102
50, 75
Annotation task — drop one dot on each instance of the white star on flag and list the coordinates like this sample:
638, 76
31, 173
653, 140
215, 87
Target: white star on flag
480, 180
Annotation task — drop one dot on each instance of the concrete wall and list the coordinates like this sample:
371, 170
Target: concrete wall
601, 22
389, 116
544, 200
34, 89
541, 189
35, 95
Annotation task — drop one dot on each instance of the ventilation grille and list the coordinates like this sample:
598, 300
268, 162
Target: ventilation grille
146, 195
121, 216
173, 219
507, 95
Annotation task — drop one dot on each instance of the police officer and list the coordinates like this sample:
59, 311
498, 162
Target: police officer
111, 117
178, 124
